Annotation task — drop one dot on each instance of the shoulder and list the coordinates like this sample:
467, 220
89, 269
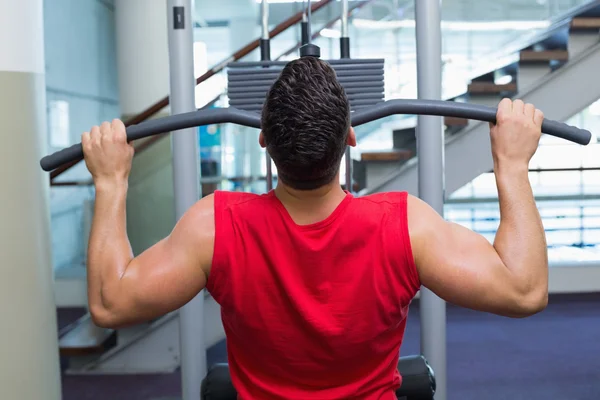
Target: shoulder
200, 214
205, 208
224, 199
419, 216
385, 198
423, 221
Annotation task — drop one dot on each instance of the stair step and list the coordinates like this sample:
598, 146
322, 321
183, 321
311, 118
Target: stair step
490, 88
455, 121
585, 23
85, 338
545, 55
387, 155
67, 318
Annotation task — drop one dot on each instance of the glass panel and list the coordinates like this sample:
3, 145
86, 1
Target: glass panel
557, 210
591, 237
591, 211
591, 222
557, 156
591, 182
489, 237
572, 226
590, 156
485, 186
457, 214
562, 238
557, 183
464, 192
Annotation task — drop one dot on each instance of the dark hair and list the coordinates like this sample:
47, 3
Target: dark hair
305, 123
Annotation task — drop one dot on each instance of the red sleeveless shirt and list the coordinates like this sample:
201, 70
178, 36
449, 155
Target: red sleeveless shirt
313, 311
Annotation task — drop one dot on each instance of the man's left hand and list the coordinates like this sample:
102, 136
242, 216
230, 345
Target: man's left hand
107, 154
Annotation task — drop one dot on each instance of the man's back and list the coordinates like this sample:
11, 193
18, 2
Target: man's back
318, 310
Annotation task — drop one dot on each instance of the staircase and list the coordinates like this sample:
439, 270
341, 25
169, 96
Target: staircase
146, 348
556, 73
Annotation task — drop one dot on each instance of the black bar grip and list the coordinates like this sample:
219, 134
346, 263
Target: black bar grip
447, 108
344, 47
265, 49
304, 33
162, 125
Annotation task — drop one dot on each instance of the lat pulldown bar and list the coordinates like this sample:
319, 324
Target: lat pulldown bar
363, 116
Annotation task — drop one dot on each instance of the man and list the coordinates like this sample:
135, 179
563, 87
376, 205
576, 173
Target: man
314, 283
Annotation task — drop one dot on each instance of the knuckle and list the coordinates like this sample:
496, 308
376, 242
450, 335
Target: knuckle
120, 133
503, 116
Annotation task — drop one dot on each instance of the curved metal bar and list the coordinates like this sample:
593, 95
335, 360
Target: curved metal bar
162, 125
363, 116
460, 110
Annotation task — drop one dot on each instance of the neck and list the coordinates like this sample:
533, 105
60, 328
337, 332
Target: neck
331, 192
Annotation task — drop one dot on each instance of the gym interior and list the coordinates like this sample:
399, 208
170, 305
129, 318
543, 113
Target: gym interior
66, 65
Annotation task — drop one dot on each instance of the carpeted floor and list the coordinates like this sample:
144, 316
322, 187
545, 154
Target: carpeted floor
553, 355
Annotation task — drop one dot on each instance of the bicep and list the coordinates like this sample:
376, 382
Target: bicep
457, 264
172, 272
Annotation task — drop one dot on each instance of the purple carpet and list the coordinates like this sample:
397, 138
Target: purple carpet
553, 355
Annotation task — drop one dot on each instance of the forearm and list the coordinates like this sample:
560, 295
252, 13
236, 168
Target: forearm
109, 250
520, 241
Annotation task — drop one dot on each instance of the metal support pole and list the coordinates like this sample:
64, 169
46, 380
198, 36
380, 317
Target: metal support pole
345, 53
265, 19
308, 22
304, 26
186, 184
430, 150
345, 37
265, 55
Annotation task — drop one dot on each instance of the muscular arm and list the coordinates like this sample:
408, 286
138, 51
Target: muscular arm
509, 277
124, 290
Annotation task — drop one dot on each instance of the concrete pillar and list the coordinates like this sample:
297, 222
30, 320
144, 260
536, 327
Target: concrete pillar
143, 69
142, 54
29, 362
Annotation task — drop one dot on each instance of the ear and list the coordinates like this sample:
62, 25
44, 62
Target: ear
261, 140
351, 138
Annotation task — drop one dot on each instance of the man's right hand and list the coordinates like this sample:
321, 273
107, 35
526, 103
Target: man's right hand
516, 134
